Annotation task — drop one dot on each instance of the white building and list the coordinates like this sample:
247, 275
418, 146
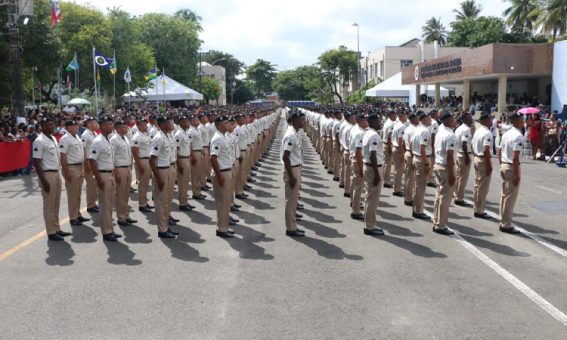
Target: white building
219, 74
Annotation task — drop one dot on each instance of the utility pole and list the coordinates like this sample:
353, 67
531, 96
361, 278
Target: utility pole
15, 49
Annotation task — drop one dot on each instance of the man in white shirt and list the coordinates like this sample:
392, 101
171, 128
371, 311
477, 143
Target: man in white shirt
346, 168
72, 159
46, 163
141, 155
509, 157
357, 164
87, 138
196, 136
444, 169
222, 164
464, 140
433, 129
409, 178
122, 172
421, 149
183, 143
290, 155
481, 144
101, 158
388, 148
373, 156
241, 134
397, 151
337, 153
160, 163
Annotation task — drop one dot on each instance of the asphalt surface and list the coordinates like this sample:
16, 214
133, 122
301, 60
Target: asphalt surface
336, 283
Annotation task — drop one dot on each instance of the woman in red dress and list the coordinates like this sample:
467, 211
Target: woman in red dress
535, 127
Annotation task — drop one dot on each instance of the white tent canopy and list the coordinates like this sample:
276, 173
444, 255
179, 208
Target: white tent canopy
163, 88
392, 87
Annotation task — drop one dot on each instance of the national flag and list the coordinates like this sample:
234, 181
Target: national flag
103, 61
73, 65
69, 83
152, 74
55, 13
127, 75
113, 65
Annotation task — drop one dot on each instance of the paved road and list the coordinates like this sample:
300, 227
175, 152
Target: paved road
335, 283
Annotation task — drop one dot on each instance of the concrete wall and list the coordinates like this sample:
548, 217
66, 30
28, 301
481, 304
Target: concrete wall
219, 74
559, 84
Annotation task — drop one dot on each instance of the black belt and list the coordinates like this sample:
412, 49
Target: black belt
183, 157
122, 166
76, 164
105, 171
224, 170
163, 167
244, 150
295, 166
379, 165
507, 163
198, 150
144, 157
50, 170
172, 164
205, 147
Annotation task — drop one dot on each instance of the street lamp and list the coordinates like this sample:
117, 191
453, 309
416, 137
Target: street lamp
216, 61
357, 54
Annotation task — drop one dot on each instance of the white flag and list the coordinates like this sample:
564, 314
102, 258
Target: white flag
128, 76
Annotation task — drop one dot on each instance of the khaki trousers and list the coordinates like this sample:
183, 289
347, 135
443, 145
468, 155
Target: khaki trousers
123, 193
106, 201
235, 176
357, 185
183, 180
329, 154
442, 197
463, 172
372, 196
481, 185
388, 159
206, 172
223, 198
143, 175
409, 178
241, 179
508, 195
420, 185
92, 189
161, 200
197, 173
173, 178
431, 178
291, 197
337, 158
347, 166
398, 168
51, 202
74, 188
324, 150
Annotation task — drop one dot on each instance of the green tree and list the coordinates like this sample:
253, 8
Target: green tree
338, 67
468, 9
477, 32
520, 16
289, 85
551, 17
359, 96
243, 92
210, 89
261, 74
434, 30
233, 67
175, 42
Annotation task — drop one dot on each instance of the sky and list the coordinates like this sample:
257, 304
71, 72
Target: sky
292, 33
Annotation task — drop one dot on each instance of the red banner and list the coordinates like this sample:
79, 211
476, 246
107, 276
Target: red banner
14, 156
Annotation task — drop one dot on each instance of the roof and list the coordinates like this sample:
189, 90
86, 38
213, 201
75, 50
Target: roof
412, 43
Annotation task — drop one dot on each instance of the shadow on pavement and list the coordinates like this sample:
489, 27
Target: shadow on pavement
497, 248
249, 218
324, 218
182, 251
414, 248
536, 229
83, 234
393, 217
246, 246
119, 253
187, 234
59, 253
326, 249
321, 230
317, 204
315, 193
314, 185
468, 230
135, 234
398, 231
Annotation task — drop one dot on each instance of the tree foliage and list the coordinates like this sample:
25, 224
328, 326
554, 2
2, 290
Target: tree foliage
261, 74
468, 9
433, 30
338, 68
210, 89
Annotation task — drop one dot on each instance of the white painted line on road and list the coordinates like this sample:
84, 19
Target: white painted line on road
514, 281
549, 189
534, 237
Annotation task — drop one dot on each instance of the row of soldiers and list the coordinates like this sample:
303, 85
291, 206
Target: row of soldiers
360, 146
191, 149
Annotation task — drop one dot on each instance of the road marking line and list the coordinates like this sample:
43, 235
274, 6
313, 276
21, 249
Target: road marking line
514, 281
534, 237
549, 189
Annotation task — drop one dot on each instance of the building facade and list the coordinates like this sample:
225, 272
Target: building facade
219, 74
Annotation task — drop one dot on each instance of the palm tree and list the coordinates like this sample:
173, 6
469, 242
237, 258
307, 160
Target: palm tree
521, 15
468, 9
552, 17
434, 30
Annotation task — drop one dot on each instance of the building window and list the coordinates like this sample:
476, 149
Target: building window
371, 74
405, 62
382, 69
375, 70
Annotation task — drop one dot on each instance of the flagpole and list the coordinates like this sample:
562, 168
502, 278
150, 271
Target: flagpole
95, 87
157, 86
163, 79
114, 84
77, 72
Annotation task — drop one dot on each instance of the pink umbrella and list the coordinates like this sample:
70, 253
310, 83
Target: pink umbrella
528, 110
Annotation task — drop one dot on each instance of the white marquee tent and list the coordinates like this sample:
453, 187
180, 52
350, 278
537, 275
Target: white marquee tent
393, 88
163, 88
